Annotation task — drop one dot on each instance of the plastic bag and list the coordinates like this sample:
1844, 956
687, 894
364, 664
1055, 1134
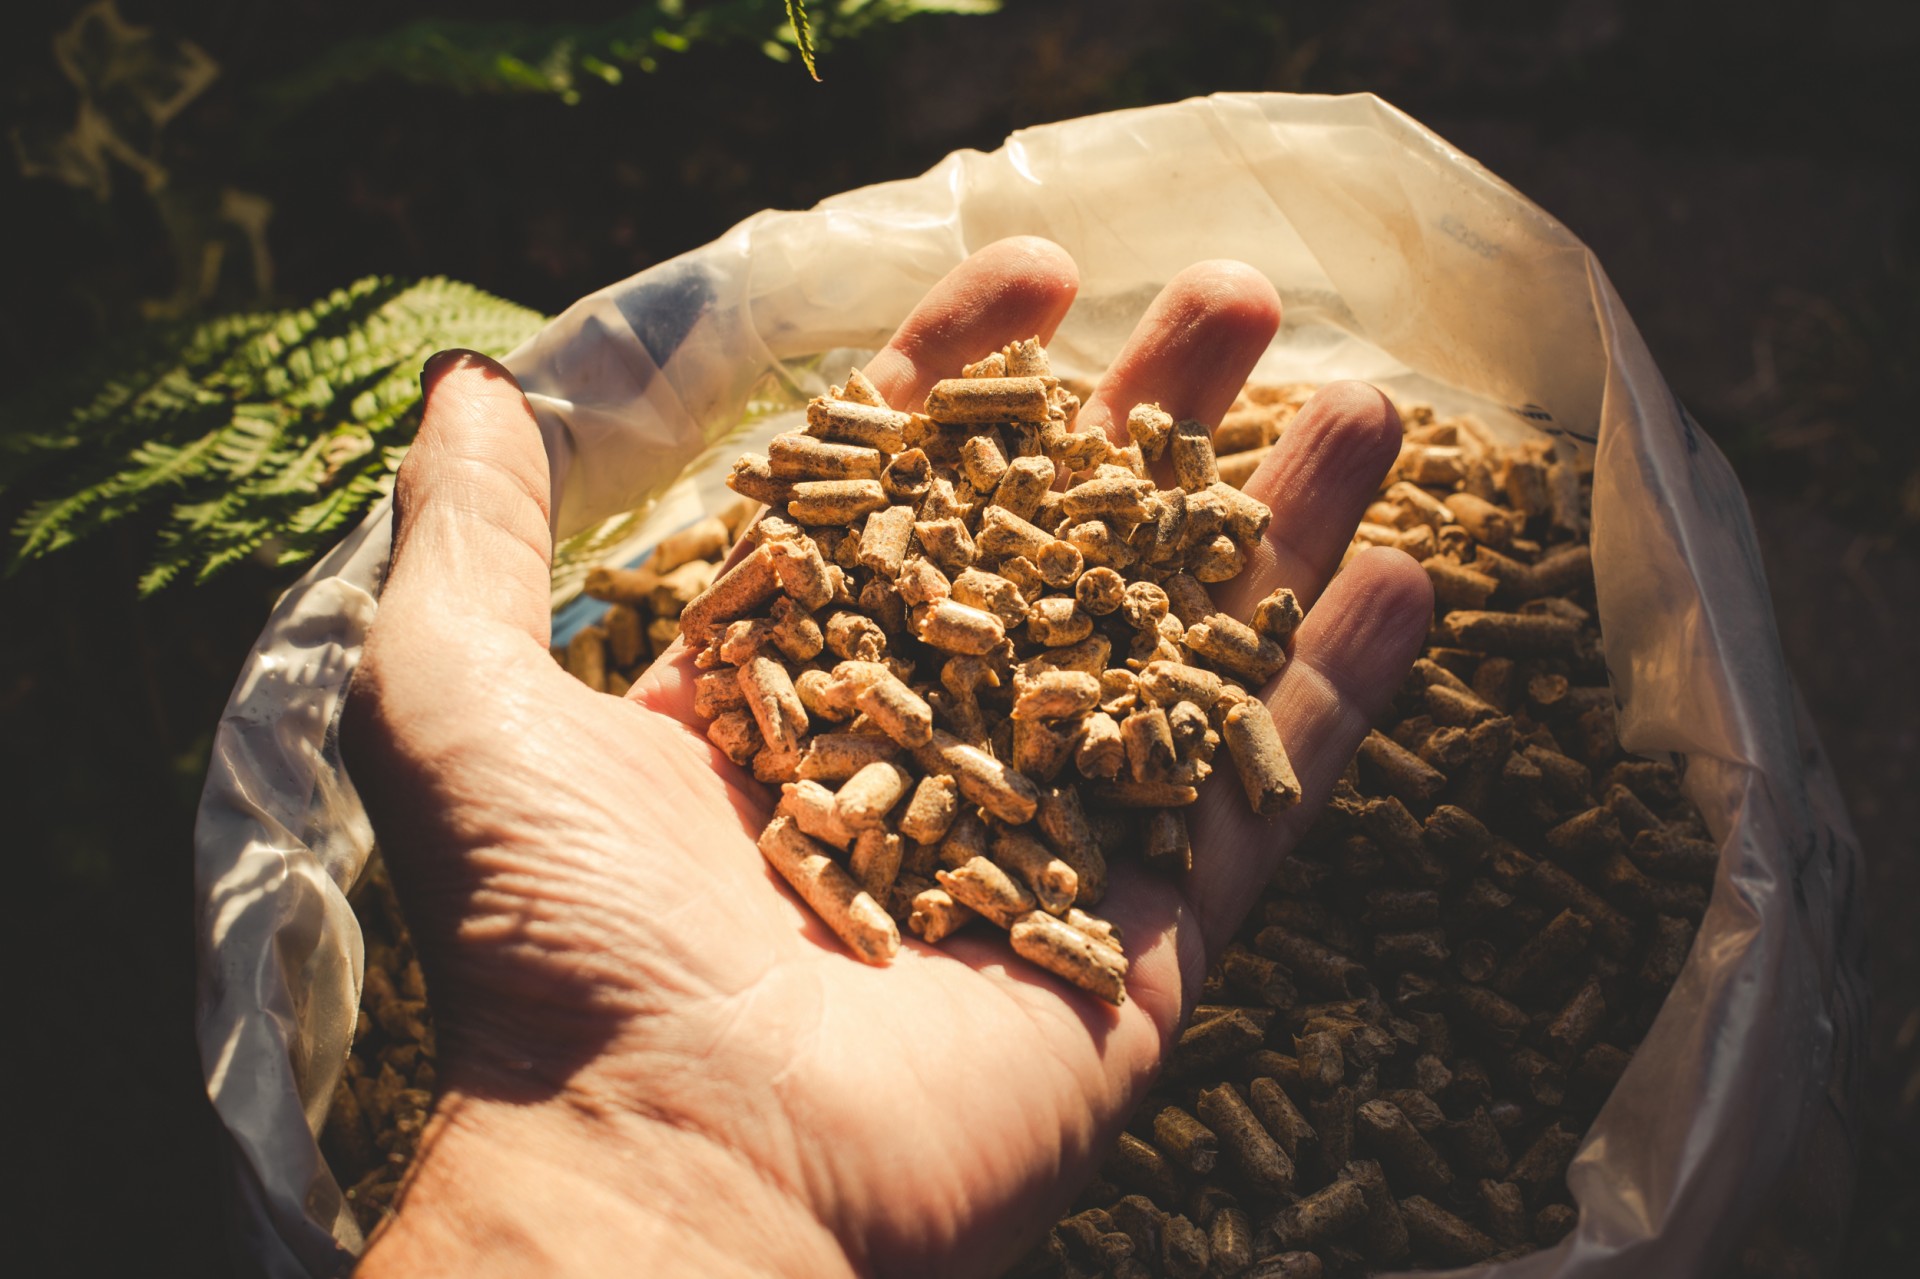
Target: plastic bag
1400, 261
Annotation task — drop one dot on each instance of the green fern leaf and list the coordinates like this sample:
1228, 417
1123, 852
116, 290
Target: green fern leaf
263, 435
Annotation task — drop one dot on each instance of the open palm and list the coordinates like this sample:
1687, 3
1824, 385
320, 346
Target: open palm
651, 1053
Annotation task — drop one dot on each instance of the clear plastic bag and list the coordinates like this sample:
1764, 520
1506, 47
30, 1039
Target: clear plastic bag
1400, 261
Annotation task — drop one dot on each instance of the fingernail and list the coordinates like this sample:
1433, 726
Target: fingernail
437, 365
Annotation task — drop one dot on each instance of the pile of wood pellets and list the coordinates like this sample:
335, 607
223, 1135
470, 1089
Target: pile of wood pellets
964, 638
1392, 1065
381, 1103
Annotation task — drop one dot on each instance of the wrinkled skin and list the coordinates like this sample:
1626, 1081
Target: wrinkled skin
653, 1059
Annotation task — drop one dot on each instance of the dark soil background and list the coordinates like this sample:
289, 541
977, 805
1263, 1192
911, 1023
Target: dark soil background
1738, 165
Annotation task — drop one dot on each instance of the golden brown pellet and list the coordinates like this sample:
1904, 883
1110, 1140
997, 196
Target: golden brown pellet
851, 912
1098, 544
1059, 564
1278, 615
798, 456
715, 692
858, 390
875, 860
802, 571
907, 477
946, 542
1417, 541
1246, 516
1148, 737
884, 539
752, 477
1165, 683
1057, 620
1003, 535
1069, 953
919, 582
1109, 497
736, 734
986, 889
984, 780
1054, 694
1101, 930
1220, 560
1457, 587
931, 811
865, 799
971, 401
895, 709
1266, 774
1206, 517
1100, 591
869, 425
814, 810
1041, 749
795, 632
1021, 489
957, 628
937, 916
835, 501
1149, 426
776, 707
746, 586
1100, 752
993, 364
1237, 649
991, 592
1065, 826
1194, 465
1049, 878
836, 757
983, 462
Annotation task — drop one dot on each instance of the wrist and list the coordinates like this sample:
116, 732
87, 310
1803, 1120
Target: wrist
545, 1188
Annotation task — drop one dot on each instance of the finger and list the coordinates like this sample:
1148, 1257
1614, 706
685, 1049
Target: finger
1193, 349
471, 542
1012, 289
1323, 471
667, 687
1351, 653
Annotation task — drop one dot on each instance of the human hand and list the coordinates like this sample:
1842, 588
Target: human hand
652, 1056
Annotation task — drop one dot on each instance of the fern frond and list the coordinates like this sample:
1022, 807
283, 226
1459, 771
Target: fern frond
263, 434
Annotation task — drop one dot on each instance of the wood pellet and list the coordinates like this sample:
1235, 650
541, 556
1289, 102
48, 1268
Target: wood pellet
1000, 615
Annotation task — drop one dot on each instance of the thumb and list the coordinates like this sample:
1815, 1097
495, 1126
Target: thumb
471, 541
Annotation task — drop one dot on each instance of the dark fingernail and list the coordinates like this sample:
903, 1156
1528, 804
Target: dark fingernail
437, 365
